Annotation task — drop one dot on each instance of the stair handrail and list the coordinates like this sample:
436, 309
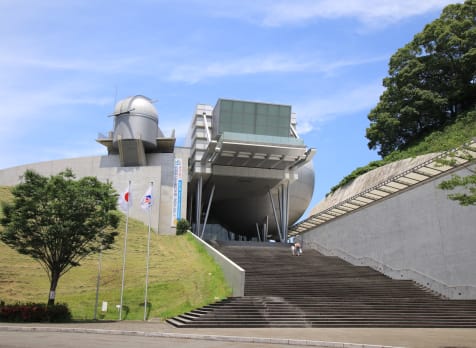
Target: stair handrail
462, 292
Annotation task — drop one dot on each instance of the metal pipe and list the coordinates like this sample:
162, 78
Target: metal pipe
208, 211
274, 213
257, 230
198, 208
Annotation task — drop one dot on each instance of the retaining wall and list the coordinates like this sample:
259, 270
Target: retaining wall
417, 234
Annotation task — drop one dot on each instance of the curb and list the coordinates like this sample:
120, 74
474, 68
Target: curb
244, 339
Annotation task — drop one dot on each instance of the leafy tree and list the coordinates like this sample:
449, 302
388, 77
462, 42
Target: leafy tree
58, 221
431, 81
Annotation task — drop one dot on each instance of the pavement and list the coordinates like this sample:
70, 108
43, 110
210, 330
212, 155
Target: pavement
317, 337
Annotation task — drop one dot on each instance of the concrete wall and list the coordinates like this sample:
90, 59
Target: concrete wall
160, 171
418, 234
234, 274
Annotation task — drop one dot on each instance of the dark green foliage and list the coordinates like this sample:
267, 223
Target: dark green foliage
431, 81
35, 313
58, 221
356, 173
182, 226
468, 183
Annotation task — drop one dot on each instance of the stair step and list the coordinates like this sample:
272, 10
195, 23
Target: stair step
320, 291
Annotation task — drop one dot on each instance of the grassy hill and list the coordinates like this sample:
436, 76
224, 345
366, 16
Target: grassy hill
181, 277
453, 136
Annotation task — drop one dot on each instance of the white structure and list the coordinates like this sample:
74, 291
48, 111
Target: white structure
247, 162
137, 153
249, 171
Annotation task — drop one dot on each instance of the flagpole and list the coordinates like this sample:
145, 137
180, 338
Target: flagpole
147, 261
124, 253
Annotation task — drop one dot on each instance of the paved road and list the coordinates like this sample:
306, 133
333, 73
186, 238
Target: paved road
70, 340
159, 334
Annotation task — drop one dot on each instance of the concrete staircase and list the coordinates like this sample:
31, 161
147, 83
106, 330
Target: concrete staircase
314, 290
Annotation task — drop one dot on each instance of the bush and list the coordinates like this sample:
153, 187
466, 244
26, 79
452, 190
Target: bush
34, 313
182, 226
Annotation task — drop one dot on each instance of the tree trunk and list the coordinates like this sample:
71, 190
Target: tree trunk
52, 294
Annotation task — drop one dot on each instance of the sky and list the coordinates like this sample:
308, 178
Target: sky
65, 63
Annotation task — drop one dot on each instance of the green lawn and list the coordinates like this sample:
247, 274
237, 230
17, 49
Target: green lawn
182, 276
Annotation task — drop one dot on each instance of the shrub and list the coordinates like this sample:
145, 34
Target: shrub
35, 312
182, 226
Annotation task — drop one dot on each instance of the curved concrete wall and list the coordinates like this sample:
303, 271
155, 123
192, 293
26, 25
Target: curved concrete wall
160, 170
417, 234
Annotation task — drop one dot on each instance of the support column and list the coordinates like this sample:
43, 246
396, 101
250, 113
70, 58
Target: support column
276, 219
286, 212
258, 232
208, 211
265, 231
283, 193
198, 206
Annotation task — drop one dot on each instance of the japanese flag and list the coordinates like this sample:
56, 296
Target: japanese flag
125, 200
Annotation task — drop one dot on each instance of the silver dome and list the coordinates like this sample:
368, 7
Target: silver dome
136, 119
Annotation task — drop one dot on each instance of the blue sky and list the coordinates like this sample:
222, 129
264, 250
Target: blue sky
64, 63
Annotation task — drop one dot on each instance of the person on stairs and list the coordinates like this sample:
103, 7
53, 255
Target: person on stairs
296, 249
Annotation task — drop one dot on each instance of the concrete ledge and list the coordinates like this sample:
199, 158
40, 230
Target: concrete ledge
223, 338
234, 274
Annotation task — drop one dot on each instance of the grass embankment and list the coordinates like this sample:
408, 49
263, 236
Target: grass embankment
453, 136
181, 277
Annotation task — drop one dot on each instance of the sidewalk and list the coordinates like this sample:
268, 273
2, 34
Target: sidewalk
318, 337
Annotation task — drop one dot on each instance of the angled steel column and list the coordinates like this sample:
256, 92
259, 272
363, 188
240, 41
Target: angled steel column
198, 207
283, 193
274, 212
281, 211
265, 230
257, 231
285, 211
208, 211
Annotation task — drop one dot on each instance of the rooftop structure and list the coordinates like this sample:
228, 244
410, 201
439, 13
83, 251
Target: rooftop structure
136, 132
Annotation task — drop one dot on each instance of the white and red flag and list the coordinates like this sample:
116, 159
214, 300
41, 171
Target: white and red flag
125, 199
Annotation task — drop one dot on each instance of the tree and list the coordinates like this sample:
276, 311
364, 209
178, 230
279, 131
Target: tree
466, 184
58, 221
431, 81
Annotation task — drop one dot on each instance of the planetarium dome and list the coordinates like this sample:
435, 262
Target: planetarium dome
136, 119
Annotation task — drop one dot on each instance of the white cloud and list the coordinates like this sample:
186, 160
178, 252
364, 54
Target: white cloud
366, 11
283, 12
323, 109
33, 60
243, 66
266, 63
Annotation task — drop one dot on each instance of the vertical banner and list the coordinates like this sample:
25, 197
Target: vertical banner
177, 203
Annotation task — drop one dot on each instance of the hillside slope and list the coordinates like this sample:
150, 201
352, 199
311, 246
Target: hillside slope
453, 136
182, 276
